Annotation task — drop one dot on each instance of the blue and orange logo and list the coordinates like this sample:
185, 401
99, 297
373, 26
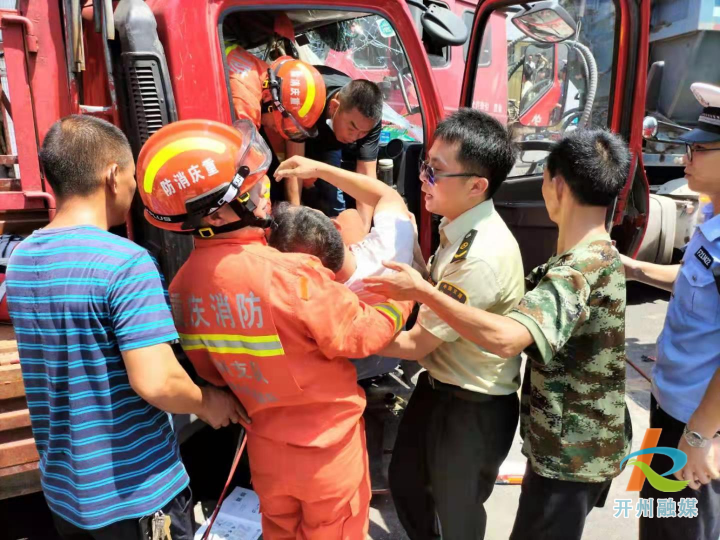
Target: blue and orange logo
643, 471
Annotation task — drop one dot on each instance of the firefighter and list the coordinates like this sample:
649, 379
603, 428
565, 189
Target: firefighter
315, 111
272, 326
284, 100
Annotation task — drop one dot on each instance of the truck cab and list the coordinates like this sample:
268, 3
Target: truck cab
542, 68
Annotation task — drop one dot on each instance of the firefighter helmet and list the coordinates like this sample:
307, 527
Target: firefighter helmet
189, 169
294, 93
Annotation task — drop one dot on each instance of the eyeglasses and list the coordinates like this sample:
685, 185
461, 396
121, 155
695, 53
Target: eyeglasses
427, 171
690, 149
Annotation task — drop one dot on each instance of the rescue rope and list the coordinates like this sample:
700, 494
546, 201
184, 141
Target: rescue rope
640, 371
242, 440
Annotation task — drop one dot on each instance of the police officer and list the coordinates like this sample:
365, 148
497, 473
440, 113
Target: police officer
686, 379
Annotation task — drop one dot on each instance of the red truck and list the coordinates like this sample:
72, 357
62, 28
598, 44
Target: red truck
142, 65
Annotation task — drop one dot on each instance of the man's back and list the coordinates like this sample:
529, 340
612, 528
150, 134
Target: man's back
278, 330
78, 296
574, 397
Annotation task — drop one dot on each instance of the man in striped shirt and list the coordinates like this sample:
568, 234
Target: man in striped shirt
93, 329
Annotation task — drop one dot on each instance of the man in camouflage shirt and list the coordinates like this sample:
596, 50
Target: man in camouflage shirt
571, 324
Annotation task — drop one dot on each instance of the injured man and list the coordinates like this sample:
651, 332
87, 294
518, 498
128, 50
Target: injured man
342, 244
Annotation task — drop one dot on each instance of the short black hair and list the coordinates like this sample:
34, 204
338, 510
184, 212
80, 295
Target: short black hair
594, 164
485, 148
303, 230
363, 95
75, 151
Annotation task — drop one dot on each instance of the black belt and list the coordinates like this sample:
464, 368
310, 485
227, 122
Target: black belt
467, 395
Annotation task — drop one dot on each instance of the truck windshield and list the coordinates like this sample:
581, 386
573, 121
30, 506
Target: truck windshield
360, 45
542, 90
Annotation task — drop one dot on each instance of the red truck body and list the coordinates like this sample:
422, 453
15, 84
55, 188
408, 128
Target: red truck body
59, 62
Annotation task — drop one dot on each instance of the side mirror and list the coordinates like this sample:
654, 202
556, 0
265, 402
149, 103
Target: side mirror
441, 24
546, 22
649, 128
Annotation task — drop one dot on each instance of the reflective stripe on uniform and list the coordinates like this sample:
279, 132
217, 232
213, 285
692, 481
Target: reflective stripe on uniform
233, 344
393, 313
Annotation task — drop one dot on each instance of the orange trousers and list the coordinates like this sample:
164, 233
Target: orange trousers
312, 493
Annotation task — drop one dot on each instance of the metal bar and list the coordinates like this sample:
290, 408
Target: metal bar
16, 200
105, 17
23, 118
31, 40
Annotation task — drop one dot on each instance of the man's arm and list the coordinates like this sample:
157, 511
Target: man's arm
158, 378
413, 344
366, 211
294, 184
369, 191
499, 335
702, 465
658, 275
340, 324
143, 327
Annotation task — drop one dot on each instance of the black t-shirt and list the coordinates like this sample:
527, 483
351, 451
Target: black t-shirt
365, 149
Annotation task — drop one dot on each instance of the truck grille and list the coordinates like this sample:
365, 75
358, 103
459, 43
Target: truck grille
146, 95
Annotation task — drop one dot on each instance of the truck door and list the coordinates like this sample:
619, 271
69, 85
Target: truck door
570, 65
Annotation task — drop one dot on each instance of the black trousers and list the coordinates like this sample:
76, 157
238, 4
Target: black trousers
182, 524
555, 509
706, 526
449, 448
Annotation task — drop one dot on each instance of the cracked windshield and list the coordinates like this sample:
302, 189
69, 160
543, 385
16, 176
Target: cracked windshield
367, 48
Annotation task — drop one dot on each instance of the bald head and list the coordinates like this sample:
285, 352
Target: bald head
77, 149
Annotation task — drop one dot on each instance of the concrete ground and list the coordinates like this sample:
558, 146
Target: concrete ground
644, 320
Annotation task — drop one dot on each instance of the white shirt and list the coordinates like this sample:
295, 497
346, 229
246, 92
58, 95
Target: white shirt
391, 239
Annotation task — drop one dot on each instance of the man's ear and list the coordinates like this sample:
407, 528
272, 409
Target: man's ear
333, 106
110, 177
219, 218
337, 224
479, 186
560, 186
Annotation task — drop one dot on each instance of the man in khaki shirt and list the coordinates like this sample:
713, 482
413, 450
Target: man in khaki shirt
461, 419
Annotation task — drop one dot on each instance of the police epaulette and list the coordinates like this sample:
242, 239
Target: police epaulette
464, 248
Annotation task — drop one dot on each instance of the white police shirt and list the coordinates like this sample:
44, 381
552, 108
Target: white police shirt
391, 239
689, 345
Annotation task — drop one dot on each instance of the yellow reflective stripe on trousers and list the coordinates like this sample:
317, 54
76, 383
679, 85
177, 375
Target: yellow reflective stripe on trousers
392, 312
233, 344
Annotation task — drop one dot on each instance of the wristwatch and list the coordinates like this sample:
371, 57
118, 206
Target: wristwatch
696, 440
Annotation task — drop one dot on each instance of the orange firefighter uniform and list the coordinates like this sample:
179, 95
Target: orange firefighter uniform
278, 330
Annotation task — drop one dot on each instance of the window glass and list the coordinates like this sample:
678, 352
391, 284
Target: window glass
542, 90
367, 48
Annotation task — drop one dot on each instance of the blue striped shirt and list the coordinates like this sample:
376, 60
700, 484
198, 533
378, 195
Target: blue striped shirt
78, 296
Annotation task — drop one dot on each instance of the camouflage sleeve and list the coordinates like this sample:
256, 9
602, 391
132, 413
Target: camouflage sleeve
470, 282
552, 310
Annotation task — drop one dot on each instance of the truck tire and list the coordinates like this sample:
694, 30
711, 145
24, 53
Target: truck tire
657, 245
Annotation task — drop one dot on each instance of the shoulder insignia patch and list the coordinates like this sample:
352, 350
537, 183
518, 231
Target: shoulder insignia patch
453, 292
464, 248
704, 257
